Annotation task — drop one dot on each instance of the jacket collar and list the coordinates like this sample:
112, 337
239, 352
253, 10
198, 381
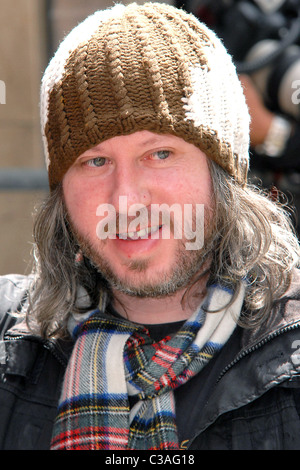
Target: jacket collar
19, 337
284, 315
267, 353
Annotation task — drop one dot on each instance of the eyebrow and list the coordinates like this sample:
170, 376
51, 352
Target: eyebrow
152, 141
148, 142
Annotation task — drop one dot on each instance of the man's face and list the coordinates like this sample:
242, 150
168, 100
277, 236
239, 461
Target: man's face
106, 186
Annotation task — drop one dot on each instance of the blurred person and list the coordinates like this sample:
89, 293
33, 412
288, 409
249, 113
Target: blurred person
275, 150
126, 336
265, 46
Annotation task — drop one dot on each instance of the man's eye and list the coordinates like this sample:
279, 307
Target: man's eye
96, 162
161, 154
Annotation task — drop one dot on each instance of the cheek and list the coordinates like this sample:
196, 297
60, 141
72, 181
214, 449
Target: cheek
203, 193
201, 184
193, 188
81, 202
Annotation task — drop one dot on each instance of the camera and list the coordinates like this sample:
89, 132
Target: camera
263, 37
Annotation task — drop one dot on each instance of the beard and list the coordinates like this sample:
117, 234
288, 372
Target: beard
186, 268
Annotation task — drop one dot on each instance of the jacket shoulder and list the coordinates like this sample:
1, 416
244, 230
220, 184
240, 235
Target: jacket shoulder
284, 315
13, 289
13, 297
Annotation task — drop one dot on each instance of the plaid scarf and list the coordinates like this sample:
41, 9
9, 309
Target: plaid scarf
113, 359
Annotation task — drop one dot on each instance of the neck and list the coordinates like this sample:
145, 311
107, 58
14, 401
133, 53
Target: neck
160, 310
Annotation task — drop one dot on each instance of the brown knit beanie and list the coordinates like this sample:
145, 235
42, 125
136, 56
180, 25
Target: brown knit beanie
143, 67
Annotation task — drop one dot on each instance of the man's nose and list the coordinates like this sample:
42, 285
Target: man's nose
132, 186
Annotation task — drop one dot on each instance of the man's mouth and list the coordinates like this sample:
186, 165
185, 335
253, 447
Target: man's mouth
140, 234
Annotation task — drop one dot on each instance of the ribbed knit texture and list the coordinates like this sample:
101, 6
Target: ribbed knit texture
143, 67
114, 359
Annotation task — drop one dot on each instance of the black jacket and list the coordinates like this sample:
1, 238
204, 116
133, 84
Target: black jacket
248, 397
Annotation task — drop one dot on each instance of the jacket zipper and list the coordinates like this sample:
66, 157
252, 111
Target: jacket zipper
47, 345
53, 350
244, 353
261, 343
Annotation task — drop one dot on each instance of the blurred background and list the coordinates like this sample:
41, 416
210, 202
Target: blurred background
30, 31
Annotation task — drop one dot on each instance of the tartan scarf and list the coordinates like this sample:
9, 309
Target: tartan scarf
114, 359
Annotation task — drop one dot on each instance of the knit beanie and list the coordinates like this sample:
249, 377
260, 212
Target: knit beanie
143, 67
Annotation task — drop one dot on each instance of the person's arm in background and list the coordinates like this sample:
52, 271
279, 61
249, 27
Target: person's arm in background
269, 130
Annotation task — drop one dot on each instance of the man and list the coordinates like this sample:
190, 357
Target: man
163, 310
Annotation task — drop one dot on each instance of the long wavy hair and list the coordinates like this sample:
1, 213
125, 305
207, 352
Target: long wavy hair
253, 239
